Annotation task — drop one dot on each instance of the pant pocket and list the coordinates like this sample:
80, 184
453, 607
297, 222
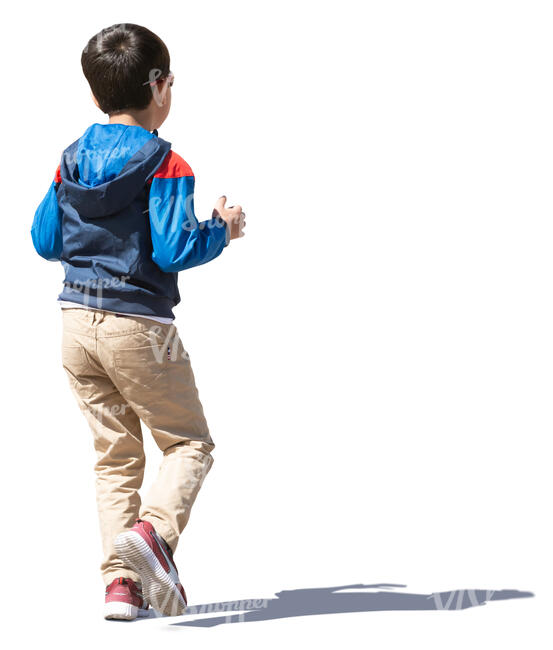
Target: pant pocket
74, 358
138, 369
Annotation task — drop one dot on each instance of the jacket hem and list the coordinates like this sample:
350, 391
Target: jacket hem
140, 305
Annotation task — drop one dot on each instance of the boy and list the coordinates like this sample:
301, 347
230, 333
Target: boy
119, 215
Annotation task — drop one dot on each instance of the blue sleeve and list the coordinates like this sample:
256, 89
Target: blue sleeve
179, 241
46, 228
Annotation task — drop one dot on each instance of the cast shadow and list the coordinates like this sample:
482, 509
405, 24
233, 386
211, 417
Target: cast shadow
336, 600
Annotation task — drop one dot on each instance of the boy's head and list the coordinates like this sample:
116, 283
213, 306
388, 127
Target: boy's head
127, 67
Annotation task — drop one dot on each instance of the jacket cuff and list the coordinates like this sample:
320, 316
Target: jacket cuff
222, 222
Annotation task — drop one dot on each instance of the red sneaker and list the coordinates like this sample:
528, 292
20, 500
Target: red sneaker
150, 556
124, 601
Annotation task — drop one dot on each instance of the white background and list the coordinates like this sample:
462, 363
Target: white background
375, 357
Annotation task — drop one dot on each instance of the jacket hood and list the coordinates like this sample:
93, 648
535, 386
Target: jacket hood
108, 166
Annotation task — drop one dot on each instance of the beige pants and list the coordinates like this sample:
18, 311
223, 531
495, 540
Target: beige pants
123, 370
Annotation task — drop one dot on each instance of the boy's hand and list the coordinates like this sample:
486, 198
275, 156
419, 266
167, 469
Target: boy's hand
233, 215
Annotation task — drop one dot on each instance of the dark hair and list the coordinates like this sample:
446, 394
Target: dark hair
118, 63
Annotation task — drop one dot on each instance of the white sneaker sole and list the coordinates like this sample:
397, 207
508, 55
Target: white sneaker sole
158, 588
118, 611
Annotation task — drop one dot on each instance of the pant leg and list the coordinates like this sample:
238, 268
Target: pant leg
117, 437
153, 373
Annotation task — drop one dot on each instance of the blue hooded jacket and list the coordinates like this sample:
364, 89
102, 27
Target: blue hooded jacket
119, 215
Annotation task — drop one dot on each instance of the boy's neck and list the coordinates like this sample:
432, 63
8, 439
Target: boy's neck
132, 120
